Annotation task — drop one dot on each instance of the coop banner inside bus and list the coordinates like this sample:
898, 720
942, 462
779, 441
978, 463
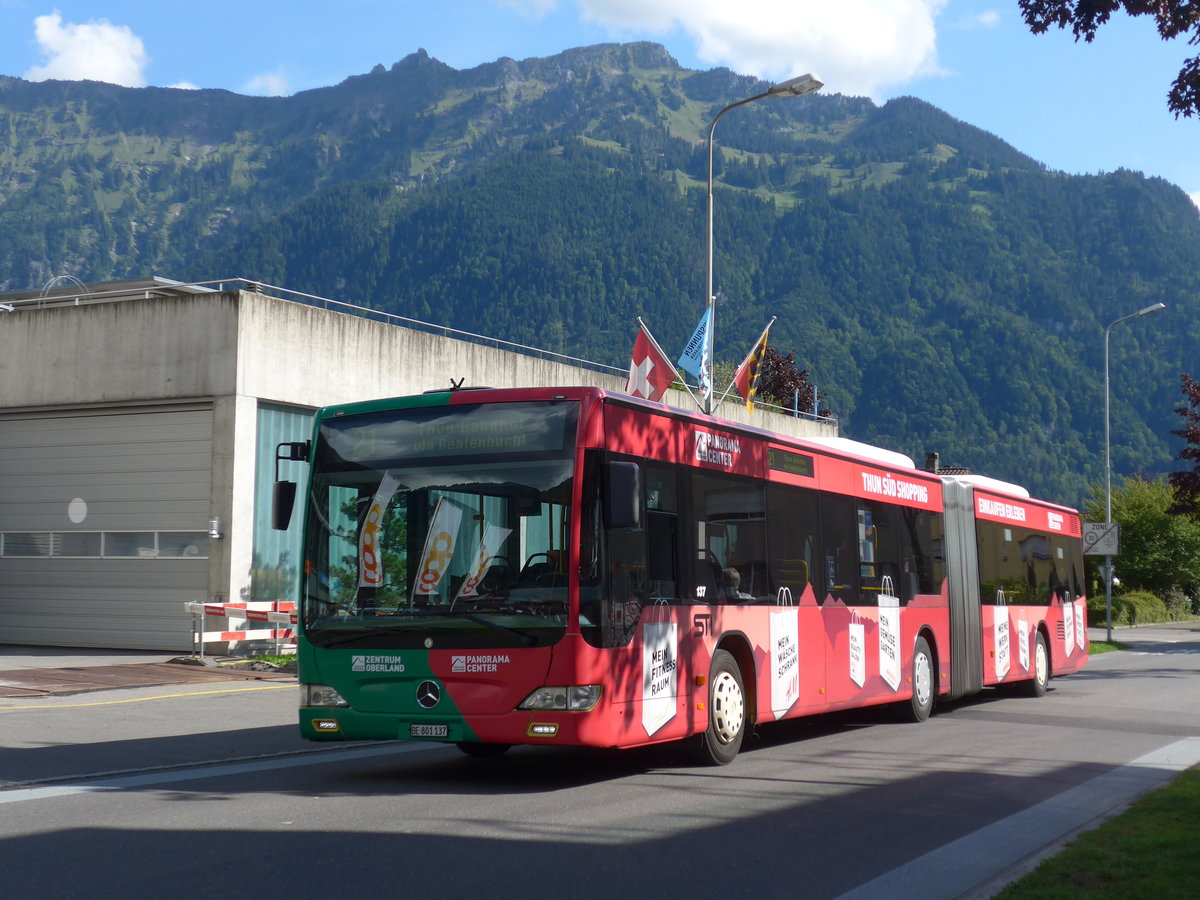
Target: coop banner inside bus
572, 566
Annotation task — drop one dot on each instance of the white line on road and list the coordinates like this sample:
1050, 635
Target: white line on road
194, 773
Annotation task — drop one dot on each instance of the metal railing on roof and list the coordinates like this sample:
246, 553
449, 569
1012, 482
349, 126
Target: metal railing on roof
159, 287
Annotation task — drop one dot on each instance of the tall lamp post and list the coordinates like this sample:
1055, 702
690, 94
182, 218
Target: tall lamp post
1108, 458
793, 87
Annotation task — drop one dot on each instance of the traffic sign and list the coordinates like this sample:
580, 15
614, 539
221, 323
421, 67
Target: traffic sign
1101, 539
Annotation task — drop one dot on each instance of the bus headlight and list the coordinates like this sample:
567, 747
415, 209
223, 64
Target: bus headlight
575, 697
320, 695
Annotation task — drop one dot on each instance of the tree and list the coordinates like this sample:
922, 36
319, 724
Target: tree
1173, 18
779, 381
1187, 483
1160, 552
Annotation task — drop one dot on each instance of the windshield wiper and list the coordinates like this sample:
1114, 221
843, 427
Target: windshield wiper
375, 631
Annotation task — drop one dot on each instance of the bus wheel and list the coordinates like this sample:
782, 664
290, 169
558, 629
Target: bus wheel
483, 751
921, 704
726, 712
1036, 686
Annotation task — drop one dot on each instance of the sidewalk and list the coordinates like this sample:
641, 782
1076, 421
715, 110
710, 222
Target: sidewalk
43, 671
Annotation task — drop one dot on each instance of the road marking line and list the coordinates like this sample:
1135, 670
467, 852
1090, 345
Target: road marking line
976, 859
197, 771
272, 687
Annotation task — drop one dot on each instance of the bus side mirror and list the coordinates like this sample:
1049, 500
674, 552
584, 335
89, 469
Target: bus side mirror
623, 495
283, 498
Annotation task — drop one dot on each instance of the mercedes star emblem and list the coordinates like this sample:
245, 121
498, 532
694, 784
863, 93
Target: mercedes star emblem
429, 694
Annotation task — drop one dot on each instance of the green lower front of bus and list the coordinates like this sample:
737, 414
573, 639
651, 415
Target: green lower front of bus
317, 724
326, 716
547, 715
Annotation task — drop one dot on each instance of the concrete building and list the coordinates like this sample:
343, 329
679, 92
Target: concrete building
138, 422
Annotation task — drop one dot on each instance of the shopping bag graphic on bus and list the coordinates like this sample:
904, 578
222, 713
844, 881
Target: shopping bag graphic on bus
1000, 635
785, 661
889, 634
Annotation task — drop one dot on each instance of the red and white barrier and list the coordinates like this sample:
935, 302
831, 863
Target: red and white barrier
238, 616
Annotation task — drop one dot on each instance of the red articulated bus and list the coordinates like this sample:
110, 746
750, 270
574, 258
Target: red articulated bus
572, 566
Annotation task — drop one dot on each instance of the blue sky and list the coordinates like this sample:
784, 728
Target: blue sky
1076, 107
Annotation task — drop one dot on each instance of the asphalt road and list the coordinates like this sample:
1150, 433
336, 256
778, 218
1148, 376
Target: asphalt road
149, 792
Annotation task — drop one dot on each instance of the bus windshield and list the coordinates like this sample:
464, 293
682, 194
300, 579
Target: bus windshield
440, 527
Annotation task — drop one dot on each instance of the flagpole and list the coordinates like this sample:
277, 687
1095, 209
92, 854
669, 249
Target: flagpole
653, 341
793, 87
753, 347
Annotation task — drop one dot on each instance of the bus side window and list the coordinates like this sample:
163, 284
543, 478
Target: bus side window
662, 533
839, 544
880, 566
793, 540
731, 557
922, 565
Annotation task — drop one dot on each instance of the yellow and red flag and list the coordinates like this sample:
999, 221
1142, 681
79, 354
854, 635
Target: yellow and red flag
746, 379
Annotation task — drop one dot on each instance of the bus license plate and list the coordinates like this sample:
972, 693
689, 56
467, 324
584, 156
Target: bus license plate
426, 731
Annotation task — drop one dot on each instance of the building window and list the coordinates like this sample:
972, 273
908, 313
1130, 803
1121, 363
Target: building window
105, 544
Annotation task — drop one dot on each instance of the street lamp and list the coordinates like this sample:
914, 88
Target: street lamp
1108, 458
793, 87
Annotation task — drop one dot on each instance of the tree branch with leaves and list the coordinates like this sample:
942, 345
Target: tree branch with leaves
1187, 482
1172, 18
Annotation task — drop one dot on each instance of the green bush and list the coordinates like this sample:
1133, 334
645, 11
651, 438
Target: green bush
1179, 605
1129, 608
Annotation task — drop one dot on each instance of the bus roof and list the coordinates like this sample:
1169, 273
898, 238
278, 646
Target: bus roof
840, 446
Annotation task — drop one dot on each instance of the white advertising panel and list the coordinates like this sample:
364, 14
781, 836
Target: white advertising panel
660, 671
889, 640
1000, 635
858, 658
785, 661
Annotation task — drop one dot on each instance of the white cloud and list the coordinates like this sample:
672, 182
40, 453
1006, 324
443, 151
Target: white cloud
268, 84
989, 18
96, 50
857, 47
1195, 198
184, 86
530, 9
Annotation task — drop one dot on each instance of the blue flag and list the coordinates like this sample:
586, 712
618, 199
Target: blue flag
694, 358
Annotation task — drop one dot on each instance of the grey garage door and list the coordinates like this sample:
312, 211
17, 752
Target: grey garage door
104, 526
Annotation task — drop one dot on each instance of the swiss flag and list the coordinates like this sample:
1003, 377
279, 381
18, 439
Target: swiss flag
650, 372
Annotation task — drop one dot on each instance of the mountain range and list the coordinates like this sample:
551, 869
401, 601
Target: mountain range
946, 291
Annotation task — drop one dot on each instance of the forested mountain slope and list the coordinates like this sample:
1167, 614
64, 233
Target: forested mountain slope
946, 291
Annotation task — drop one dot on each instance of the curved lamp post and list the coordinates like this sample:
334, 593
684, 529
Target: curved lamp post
1108, 458
793, 87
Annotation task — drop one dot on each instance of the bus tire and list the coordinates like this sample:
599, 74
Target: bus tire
719, 745
483, 751
921, 703
1040, 682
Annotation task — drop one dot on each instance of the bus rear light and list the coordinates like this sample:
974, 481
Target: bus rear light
576, 698
320, 695
542, 729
